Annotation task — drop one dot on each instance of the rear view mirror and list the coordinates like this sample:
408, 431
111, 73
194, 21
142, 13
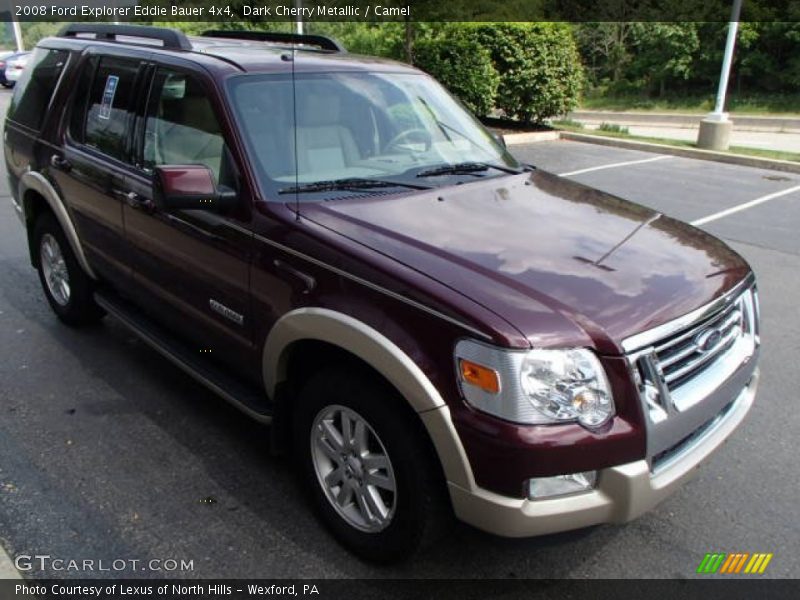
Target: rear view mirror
189, 187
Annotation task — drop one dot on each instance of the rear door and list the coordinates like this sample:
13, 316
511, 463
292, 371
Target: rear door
92, 167
191, 267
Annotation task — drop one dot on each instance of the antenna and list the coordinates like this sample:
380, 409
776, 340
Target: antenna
293, 56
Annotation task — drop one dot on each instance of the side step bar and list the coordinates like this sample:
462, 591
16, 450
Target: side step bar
244, 397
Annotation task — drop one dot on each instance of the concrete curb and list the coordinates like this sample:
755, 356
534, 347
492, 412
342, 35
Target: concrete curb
786, 166
530, 137
742, 122
7, 569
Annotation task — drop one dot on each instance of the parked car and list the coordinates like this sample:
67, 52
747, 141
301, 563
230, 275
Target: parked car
3, 56
13, 67
333, 245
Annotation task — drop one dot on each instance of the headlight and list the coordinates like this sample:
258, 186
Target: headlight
537, 386
567, 385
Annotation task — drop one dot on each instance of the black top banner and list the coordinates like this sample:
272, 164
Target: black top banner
257, 11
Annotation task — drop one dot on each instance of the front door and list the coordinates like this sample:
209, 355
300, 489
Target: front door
191, 267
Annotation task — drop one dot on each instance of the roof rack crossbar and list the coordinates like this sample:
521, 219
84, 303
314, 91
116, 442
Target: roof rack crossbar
321, 41
170, 38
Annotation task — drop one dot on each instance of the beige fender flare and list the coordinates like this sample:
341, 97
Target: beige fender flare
384, 356
37, 182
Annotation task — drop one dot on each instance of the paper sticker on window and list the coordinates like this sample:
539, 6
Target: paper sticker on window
108, 97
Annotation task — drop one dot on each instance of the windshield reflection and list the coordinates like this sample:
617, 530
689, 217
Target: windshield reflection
389, 127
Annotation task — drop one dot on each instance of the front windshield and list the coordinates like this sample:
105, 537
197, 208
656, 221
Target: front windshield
387, 128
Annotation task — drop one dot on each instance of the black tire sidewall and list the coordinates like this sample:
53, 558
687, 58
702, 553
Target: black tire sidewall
380, 406
81, 308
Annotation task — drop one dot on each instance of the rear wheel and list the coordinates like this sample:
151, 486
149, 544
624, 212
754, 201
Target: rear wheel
365, 463
68, 289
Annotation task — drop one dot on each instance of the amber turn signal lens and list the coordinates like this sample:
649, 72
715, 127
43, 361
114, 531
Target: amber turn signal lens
480, 376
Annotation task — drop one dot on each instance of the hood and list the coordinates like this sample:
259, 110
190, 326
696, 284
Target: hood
564, 263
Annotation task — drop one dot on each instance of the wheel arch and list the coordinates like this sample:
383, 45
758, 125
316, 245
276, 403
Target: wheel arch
34, 189
369, 346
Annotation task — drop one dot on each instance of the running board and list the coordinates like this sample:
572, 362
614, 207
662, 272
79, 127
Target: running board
242, 396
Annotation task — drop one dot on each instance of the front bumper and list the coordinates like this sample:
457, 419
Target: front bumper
623, 492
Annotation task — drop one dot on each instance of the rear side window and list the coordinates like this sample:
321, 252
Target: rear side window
106, 118
36, 86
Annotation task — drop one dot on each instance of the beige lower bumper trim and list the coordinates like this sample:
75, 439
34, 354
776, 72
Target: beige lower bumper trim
623, 493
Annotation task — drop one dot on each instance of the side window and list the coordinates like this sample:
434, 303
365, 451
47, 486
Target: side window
108, 115
182, 128
77, 116
35, 88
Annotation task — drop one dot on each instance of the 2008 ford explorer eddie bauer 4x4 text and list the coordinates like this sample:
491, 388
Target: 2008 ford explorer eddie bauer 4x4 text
332, 244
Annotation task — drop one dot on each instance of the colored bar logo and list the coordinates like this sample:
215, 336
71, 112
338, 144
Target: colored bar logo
734, 563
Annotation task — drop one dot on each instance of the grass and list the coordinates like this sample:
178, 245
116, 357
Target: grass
613, 128
777, 104
758, 152
565, 123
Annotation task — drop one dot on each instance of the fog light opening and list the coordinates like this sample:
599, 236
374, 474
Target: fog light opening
561, 485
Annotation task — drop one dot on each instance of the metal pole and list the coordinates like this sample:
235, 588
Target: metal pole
733, 27
17, 35
299, 22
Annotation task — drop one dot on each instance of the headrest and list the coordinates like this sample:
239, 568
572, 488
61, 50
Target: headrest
319, 110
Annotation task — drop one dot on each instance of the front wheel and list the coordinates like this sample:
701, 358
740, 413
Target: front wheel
68, 289
365, 463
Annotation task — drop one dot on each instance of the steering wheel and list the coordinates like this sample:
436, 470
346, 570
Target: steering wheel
407, 135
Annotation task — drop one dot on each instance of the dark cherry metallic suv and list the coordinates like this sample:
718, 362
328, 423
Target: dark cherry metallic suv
335, 246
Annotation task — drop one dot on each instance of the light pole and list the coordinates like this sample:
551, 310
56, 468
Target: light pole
17, 35
715, 129
299, 22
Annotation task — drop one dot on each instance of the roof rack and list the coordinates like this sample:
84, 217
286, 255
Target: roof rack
170, 38
324, 43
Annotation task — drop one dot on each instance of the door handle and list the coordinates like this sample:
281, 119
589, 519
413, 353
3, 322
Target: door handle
133, 199
59, 162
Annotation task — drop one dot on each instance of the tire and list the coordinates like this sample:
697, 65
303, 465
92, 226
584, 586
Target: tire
404, 516
67, 287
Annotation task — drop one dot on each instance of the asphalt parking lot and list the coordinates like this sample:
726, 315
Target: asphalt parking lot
108, 452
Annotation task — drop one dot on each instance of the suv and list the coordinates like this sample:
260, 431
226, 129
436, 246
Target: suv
336, 247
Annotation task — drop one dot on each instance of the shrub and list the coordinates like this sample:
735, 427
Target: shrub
613, 128
463, 66
540, 71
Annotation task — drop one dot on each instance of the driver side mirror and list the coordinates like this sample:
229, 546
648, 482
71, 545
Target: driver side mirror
190, 187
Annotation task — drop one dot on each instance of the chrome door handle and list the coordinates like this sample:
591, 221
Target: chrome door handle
133, 199
60, 163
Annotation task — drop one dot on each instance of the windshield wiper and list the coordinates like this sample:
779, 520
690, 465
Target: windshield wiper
351, 183
465, 168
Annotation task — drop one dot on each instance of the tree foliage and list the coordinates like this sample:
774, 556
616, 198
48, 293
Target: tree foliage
540, 71
463, 66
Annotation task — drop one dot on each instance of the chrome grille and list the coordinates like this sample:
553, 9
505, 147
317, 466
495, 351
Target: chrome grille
684, 355
695, 354
689, 370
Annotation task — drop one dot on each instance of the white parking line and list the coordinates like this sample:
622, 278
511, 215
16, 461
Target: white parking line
615, 165
745, 206
7, 569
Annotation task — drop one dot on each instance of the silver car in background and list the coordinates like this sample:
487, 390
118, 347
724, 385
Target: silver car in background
15, 65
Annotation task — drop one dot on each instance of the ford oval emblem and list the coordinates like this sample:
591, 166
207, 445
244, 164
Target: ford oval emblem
707, 340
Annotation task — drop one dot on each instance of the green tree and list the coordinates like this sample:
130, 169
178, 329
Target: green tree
541, 75
462, 65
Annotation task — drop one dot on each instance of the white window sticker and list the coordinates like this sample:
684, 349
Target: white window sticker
108, 97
